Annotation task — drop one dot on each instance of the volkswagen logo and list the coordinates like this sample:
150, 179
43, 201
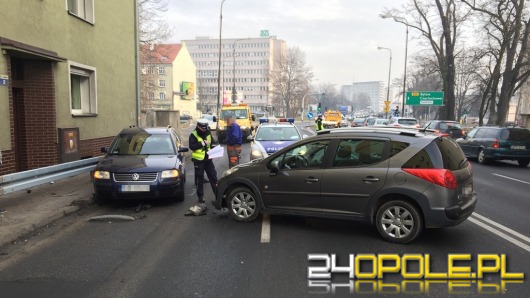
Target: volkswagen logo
135, 177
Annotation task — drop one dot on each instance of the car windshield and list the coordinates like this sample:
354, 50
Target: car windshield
237, 114
208, 117
515, 134
142, 144
407, 121
274, 133
450, 125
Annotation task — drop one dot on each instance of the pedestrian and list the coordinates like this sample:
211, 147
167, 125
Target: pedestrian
234, 139
318, 122
200, 143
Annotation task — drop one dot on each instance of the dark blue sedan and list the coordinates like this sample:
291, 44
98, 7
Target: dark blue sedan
143, 163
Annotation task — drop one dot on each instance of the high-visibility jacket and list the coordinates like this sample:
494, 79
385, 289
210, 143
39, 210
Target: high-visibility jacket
318, 124
199, 154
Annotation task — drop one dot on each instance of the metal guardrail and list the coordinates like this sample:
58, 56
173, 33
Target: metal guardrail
27, 179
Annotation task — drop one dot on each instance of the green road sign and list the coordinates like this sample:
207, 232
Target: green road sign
425, 98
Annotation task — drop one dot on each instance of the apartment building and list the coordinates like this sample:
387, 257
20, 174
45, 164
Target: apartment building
168, 79
245, 65
374, 91
67, 79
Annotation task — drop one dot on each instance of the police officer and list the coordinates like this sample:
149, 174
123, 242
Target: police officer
318, 122
200, 143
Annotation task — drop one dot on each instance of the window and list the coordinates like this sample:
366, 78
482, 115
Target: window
308, 155
358, 153
82, 89
151, 95
162, 95
83, 9
150, 70
161, 83
161, 70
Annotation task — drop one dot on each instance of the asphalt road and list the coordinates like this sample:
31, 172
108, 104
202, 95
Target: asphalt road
166, 254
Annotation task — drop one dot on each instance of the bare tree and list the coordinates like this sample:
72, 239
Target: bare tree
506, 24
290, 81
438, 23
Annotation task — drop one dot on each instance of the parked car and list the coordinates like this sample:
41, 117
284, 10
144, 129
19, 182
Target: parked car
212, 121
364, 174
142, 163
185, 117
404, 122
445, 128
380, 122
488, 143
369, 121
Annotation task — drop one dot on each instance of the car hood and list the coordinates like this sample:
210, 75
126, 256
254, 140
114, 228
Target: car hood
273, 146
138, 163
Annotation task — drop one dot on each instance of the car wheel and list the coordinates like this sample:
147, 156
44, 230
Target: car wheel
523, 162
242, 204
398, 221
481, 157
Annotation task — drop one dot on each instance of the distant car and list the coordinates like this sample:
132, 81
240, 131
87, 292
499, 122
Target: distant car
144, 163
212, 121
344, 122
445, 128
272, 135
380, 122
358, 121
185, 117
488, 143
399, 180
404, 122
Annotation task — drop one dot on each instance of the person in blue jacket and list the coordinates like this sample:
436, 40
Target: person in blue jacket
234, 139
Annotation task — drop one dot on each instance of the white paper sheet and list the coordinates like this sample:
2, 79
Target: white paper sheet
216, 152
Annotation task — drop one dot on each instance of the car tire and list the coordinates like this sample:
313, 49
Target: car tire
523, 162
481, 157
242, 204
398, 221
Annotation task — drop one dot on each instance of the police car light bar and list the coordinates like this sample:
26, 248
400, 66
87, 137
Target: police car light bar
267, 120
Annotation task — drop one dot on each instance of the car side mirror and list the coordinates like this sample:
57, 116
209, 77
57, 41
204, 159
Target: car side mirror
184, 149
275, 167
214, 119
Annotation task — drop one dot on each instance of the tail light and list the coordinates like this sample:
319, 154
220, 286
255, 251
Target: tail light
495, 144
442, 177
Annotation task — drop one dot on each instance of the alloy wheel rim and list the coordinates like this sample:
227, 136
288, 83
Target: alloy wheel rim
243, 205
481, 155
397, 222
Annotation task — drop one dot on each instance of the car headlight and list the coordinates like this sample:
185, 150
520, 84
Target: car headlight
256, 153
101, 175
230, 171
170, 174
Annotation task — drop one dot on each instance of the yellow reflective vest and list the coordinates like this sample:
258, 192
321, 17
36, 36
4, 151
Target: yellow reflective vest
199, 154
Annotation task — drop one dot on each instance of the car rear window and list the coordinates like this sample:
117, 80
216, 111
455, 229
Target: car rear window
441, 153
514, 134
408, 121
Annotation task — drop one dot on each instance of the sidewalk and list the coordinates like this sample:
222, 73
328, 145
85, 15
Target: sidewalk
27, 211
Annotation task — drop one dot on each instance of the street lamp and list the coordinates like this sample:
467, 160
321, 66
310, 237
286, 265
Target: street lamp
219, 69
303, 102
234, 91
389, 70
404, 22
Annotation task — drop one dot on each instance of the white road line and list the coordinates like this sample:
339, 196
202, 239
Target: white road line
498, 225
500, 234
506, 177
266, 228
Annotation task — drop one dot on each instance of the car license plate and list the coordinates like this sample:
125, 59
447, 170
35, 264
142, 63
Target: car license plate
127, 188
518, 147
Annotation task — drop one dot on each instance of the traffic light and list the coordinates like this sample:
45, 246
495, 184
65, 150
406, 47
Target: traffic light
319, 107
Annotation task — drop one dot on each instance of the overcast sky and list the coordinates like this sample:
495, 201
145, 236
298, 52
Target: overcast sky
339, 37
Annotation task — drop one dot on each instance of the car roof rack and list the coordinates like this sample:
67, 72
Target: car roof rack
364, 129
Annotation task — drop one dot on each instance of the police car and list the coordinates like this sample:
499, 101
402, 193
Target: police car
272, 135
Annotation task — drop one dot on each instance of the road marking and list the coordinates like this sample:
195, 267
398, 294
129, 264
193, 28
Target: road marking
500, 234
266, 228
498, 225
502, 176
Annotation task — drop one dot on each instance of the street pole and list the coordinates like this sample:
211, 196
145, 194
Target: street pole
219, 69
234, 91
389, 71
405, 72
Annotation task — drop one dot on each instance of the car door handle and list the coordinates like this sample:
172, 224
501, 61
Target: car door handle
311, 179
370, 179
